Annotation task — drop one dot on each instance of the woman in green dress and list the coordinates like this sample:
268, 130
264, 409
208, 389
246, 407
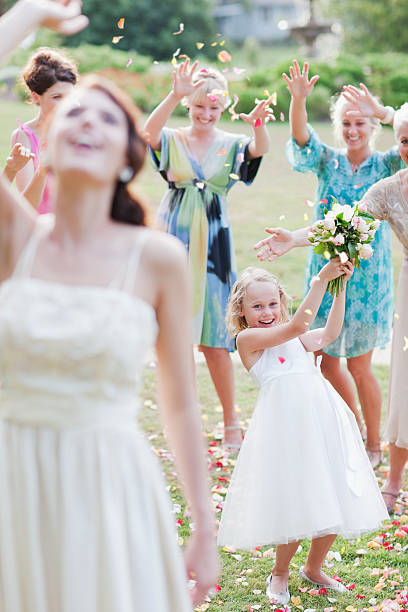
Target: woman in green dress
200, 164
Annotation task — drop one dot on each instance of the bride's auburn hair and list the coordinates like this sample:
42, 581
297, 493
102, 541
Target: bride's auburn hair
126, 206
234, 319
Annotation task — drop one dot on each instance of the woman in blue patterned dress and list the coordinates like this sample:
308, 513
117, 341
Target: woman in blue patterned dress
346, 174
200, 164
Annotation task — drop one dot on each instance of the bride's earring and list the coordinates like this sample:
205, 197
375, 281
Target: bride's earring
126, 174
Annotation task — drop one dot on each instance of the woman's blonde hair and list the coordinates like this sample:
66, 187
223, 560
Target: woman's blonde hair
337, 105
215, 84
235, 320
400, 117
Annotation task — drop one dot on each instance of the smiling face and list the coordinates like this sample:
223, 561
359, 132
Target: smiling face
52, 96
402, 140
204, 113
261, 305
356, 130
88, 138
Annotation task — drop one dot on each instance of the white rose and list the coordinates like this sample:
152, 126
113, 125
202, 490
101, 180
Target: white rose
348, 212
372, 232
363, 227
365, 251
355, 222
329, 224
339, 239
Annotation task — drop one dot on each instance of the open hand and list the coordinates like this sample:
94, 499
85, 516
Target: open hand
262, 112
63, 16
298, 83
18, 158
183, 79
362, 101
280, 242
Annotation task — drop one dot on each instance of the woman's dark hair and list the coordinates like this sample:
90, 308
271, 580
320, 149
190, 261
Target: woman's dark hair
125, 207
47, 67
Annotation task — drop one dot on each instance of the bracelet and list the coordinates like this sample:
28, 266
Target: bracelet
389, 115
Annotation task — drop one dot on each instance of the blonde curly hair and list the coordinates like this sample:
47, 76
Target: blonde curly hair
215, 83
234, 319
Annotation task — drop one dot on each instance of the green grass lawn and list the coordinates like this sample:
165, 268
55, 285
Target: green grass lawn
277, 192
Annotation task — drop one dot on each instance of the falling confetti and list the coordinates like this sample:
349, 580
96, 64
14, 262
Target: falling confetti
336, 163
281, 217
235, 177
309, 203
116, 39
181, 29
406, 343
238, 70
258, 122
199, 45
282, 117
129, 62
305, 216
282, 359
214, 44
121, 23
308, 311
240, 157
221, 152
232, 108
224, 56
213, 97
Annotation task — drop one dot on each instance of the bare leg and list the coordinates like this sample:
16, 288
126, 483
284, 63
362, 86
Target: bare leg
280, 571
222, 373
369, 393
398, 460
341, 381
317, 554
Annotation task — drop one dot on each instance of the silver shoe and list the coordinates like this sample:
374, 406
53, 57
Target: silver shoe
339, 587
278, 598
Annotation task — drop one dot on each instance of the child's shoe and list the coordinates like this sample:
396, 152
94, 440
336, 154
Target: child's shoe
339, 587
278, 598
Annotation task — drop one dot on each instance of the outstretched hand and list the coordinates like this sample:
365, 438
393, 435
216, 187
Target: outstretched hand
261, 112
362, 101
298, 83
280, 242
183, 84
63, 16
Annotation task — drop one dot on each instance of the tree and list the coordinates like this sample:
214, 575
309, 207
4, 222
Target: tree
149, 26
371, 25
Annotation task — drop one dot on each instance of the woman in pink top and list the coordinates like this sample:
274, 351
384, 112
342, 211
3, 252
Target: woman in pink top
49, 76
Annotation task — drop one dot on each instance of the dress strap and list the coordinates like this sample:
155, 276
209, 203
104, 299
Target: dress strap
125, 280
43, 226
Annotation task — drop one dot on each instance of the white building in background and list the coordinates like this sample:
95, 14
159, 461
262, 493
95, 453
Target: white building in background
266, 20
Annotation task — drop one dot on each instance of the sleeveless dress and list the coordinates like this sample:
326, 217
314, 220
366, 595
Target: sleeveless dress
45, 204
85, 521
372, 284
386, 200
302, 471
195, 209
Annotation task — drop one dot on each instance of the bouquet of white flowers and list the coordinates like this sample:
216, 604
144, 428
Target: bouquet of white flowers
345, 232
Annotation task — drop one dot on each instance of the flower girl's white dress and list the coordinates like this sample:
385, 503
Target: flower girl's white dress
302, 471
85, 521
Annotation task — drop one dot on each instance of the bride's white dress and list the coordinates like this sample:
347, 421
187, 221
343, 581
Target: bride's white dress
85, 520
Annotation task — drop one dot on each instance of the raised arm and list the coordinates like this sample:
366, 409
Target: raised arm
16, 217
280, 242
364, 103
300, 88
182, 86
254, 339
179, 408
316, 339
257, 118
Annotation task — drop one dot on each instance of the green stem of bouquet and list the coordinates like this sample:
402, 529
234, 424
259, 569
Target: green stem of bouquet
336, 285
